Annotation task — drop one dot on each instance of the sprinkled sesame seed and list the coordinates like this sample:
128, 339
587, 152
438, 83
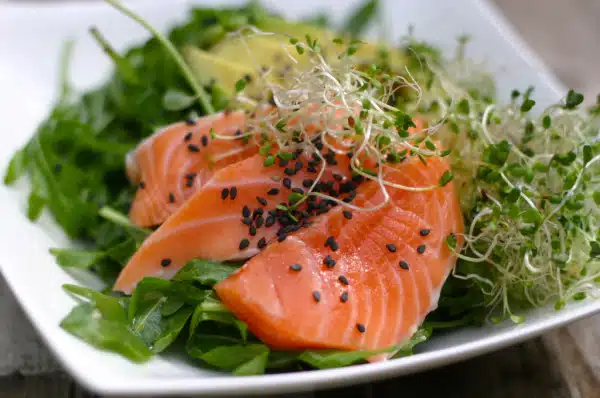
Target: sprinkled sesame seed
283, 162
190, 122
391, 247
142, 184
298, 190
233, 193
344, 297
343, 280
259, 221
165, 262
204, 140
403, 264
270, 221
331, 243
261, 200
188, 136
361, 328
273, 191
246, 211
189, 183
171, 197
329, 261
316, 296
311, 169
289, 171
347, 214
287, 183
307, 183
296, 267
281, 237
298, 165
252, 230
257, 212
262, 243
190, 176
193, 148
224, 193
247, 221
424, 232
421, 249
244, 243
338, 177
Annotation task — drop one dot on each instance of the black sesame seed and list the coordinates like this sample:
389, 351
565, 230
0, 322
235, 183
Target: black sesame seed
224, 193
298, 165
331, 243
273, 191
190, 122
329, 261
316, 296
343, 280
246, 211
193, 148
165, 262
171, 197
296, 267
257, 212
262, 243
204, 140
319, 146
289, 171
347, 214
188, 136
424, 232
252, 230
358, 178
142, 184
391, 247
361, 328
338, 177
307, 183
261, 200
281, 237
244, 243
189, 183
311, 169
270, 221
259, 221
190, 176
298, 190
287, 183
283, 162
403, 264
233, 193
247, 221
421, 249
344, 297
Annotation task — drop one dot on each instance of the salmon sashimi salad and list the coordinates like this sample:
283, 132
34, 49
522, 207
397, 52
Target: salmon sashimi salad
273, 196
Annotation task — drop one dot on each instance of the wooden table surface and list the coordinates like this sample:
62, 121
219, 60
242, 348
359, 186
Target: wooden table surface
562, 363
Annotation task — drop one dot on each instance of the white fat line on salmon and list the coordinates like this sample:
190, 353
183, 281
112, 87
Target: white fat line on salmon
153, 239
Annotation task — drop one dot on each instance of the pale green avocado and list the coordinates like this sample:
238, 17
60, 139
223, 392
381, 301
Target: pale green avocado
210, 69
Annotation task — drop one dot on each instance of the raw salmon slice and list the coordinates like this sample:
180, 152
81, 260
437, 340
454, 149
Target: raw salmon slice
354, 280
234, 215
178, 160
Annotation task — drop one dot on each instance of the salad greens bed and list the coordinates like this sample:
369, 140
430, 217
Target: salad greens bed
530, 204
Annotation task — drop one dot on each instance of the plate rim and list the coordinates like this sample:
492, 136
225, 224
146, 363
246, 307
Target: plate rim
330, 378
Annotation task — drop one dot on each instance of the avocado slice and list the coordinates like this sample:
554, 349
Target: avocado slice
219, 73
367, 52
260, 52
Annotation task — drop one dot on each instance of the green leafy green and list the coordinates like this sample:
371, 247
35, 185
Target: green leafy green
359, 20
77, 258
105, 334
111, 308
204, 272
170, 328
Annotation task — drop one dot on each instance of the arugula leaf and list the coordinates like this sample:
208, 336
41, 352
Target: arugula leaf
171, 328
202, 315
77, 258
16, 168
205, 272
235, 356
171, 306
111, 308
148, 290
147, 323
361, 17
104, 334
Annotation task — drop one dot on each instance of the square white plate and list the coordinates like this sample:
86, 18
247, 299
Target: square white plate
30, 39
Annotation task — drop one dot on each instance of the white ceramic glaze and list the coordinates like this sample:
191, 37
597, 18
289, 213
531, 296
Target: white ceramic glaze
30, 40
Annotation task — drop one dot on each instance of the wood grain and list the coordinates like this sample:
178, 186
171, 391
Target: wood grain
564, 363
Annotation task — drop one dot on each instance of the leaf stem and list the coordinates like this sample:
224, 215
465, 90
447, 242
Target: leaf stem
185, 70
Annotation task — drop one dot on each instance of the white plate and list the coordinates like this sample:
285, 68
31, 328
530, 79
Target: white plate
30, 39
